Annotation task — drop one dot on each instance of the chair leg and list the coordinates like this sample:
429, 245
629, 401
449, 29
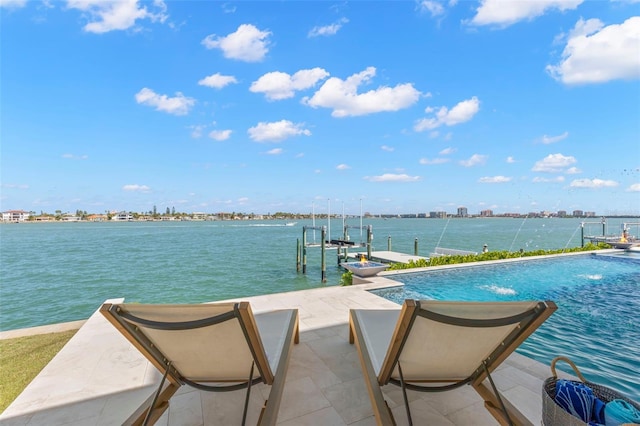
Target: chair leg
155, 398
160, 407
246, 400
492, 405
404, 396
497, 394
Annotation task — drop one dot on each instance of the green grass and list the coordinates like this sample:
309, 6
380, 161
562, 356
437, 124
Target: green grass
22, 358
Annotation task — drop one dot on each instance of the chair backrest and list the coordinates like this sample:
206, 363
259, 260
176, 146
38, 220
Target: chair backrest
202, 342
439, 341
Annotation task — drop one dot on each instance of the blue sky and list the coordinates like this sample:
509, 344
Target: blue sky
259, 107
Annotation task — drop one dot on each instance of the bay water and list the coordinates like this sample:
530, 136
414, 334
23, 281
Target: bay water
58, 272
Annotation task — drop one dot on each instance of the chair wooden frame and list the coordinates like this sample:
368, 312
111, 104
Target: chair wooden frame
133, 329
523, 325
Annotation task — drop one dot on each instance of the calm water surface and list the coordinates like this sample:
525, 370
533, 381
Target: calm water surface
56, 272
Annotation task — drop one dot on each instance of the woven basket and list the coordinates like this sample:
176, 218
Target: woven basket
554, 415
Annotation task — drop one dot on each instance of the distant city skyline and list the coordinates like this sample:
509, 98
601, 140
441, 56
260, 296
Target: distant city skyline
462, 211
258, 107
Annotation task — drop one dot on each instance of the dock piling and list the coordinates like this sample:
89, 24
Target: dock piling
304, 249
323, 274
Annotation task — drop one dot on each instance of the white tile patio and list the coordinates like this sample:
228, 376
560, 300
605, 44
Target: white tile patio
98, 378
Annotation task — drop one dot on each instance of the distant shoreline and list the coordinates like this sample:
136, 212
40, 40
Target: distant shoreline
305, 217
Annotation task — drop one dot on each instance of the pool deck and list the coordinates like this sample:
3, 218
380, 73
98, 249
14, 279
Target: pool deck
99, 378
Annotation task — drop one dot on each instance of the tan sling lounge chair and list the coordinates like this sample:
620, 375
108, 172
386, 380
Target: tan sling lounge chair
434, 346
214, 347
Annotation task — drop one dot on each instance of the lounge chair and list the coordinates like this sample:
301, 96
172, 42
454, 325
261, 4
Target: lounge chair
213, 347
434, 346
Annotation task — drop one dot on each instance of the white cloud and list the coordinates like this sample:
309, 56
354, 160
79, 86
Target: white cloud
248, 43
228, 8
474, 160
217, 81
507, 12
276, 131
428, 162
15, 186
510, 160
275, 151
196, 130
460, 113
343, 167
136, 188
75, 157
634, 188
596, 54
328, 30
593, 183
13, 4
447, 151
433, 7
494, 179
342, 96
220, 135
391, 177
573, 171
557, 179
554, 163
553, 139
108, 16
280, 85
387, 148
178, 105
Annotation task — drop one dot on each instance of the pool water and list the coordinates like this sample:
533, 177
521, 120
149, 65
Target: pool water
597, 324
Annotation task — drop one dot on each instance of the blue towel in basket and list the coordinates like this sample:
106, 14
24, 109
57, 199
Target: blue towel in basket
597, 418
575, 398
619, 412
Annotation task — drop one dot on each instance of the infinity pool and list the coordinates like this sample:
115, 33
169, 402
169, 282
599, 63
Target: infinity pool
597, 324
